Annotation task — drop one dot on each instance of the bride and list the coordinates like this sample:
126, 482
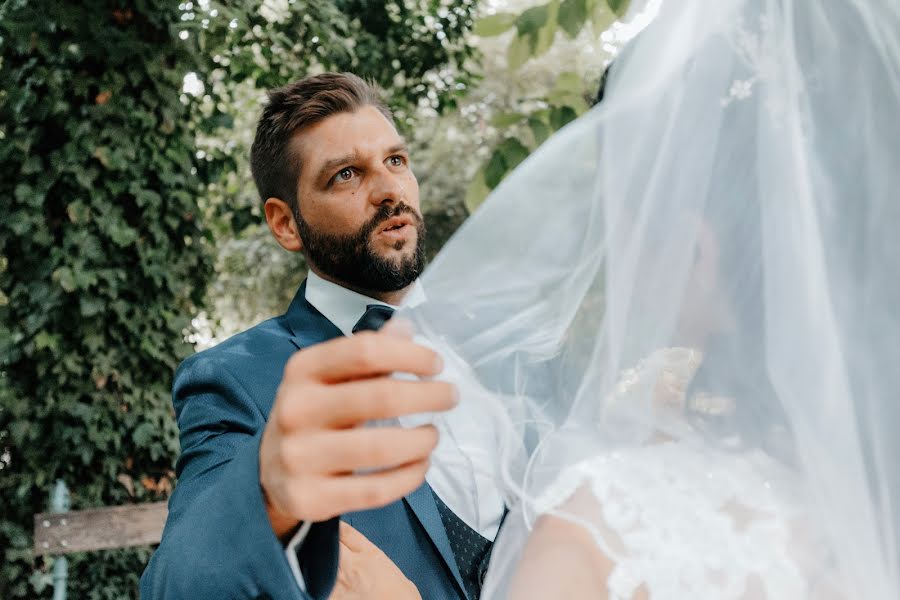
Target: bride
682, 315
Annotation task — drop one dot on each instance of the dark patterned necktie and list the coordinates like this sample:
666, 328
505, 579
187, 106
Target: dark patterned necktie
374, 318
470, 549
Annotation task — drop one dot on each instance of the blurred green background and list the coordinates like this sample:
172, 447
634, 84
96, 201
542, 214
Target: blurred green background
131, 234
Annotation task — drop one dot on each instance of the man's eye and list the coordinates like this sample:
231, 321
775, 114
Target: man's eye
396, 161
344, 175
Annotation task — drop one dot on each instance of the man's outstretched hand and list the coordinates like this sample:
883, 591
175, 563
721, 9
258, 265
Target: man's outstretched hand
366, 573
316, 458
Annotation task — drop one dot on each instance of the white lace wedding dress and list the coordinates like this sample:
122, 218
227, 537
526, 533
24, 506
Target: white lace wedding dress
680, 519
688, 524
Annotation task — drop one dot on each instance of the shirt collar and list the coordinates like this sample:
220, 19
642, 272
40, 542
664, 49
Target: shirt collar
344, 307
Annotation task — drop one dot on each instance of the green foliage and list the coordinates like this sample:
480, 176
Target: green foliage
116, 189
618, 6
572, 16
535, 32
104, 261
415, 51
536, 27
506, 157
494, 24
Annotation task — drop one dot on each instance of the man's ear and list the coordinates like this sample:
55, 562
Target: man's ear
280, 219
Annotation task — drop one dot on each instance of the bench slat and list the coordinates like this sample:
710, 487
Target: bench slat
99, 528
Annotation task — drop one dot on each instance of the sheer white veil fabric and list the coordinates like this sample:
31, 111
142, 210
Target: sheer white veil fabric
736, 195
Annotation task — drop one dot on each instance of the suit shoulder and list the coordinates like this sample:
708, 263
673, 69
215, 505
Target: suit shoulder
258, 344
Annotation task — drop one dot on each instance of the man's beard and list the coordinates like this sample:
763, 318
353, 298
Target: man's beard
351, 260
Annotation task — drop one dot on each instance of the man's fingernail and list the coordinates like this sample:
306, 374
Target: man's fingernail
438, 364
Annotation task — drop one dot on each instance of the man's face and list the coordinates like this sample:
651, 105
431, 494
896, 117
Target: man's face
358, 200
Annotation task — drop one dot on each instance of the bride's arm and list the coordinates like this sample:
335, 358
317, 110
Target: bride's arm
562, 559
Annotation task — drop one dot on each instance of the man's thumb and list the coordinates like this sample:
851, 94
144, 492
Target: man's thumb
352, 539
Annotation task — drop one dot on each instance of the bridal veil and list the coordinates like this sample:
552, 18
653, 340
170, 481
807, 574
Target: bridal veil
710, 256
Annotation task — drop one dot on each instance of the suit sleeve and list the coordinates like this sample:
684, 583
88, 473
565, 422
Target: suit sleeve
218, 542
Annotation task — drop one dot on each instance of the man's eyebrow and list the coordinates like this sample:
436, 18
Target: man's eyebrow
334, 163
400, 148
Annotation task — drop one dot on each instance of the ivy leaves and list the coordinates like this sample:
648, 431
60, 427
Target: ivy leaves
533, 34
569, 15
103, 264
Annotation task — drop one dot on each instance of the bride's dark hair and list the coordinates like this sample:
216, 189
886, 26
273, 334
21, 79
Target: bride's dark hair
601, 87
734, 365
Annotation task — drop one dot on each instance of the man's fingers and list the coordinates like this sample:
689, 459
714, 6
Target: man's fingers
365, 354
398, 327
351, 493
352, 403
345, 557
335, 452
353, 540
386, 398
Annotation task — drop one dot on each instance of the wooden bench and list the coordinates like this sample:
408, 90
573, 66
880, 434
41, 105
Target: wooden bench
59, 531
99, 528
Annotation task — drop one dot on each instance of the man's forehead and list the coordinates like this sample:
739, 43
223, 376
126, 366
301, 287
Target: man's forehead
358, 133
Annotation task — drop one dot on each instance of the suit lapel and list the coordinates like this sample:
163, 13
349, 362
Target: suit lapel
307, 325
421, 502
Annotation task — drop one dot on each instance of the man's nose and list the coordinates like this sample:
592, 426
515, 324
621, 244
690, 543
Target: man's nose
386, 189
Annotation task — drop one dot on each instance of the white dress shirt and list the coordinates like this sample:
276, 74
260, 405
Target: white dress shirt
463, 466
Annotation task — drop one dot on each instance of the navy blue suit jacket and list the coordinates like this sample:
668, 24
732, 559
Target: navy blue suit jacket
218, 542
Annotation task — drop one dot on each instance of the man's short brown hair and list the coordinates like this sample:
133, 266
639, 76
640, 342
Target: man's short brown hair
273, 157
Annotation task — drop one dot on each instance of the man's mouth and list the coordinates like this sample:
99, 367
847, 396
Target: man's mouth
396, 226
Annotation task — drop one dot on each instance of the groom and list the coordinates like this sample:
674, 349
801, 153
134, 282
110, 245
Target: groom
283, 492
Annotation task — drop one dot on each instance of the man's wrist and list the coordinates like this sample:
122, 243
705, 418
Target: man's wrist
284, 526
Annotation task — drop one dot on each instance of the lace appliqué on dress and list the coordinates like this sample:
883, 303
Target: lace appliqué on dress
686, 523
